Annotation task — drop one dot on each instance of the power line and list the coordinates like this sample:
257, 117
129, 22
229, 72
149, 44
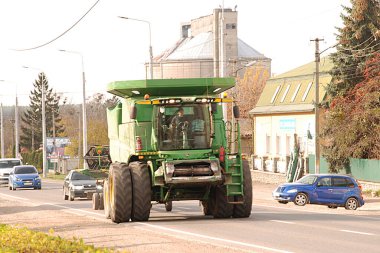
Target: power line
59, 36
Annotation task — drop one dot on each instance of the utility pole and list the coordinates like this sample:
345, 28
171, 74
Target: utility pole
317, 60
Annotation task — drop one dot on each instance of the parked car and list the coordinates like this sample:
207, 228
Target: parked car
323, 189
24, 176
78, 185
6, 166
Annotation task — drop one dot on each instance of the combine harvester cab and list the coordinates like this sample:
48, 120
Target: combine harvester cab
168, 142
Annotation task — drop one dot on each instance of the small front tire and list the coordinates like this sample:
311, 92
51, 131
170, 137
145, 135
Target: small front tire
71, 197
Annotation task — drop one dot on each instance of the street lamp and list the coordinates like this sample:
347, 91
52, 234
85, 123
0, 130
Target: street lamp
16, 127
150, 43
84, 114
44, 160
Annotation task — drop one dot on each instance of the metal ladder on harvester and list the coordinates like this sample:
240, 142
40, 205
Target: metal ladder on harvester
234, 164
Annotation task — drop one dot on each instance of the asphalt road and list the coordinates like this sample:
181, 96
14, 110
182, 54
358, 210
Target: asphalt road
272, 227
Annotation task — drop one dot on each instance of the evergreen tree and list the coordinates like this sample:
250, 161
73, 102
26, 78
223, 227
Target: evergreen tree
357, 41
31, 128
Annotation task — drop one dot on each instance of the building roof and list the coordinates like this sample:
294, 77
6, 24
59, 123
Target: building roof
293, 91
201, 47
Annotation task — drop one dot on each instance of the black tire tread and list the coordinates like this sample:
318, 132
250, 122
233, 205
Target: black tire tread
142, 192
121, 202
221, 208
244, 210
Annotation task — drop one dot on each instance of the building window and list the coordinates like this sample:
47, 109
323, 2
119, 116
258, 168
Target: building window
278, 145
287, 145
295, 92
285, 93
275, 94
231, 26
268, 144
306, 91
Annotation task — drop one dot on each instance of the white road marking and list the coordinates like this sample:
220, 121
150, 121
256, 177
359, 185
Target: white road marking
356, 232
13, 197
214, 238
282, 221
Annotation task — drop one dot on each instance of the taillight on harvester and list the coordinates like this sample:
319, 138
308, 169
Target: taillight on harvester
222, 154
139, 146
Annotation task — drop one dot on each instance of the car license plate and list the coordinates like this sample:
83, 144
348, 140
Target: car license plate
28, 183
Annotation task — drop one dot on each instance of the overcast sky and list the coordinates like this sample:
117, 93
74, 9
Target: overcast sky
116, 49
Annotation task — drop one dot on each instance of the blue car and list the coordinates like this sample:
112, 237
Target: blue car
24, 176
323, 189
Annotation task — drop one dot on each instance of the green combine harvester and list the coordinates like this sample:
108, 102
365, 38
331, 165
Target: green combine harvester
169, 142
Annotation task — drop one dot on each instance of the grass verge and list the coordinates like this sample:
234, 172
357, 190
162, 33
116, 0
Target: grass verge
13, 239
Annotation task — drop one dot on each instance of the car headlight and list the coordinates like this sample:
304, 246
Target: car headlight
292, 191
78, 187
18, 179
37, 178
99, 187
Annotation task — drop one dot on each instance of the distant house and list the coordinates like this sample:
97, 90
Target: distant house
285, 108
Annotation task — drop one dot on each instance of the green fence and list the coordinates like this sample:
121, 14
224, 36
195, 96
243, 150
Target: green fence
361, 169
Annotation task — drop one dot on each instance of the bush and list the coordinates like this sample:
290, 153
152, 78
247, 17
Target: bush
24, 240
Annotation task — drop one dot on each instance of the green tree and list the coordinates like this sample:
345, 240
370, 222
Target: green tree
358, 113
357, 41
31, 127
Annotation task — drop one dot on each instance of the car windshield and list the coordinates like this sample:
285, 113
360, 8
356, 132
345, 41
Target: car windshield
310, 179
9, 164
25, 170
79, 176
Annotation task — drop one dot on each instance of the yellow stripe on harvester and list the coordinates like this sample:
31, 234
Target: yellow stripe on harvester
147, 153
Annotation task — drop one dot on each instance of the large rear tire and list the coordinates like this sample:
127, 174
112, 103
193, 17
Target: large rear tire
142, 191
120, 186
244, 210
106, 199
221, 209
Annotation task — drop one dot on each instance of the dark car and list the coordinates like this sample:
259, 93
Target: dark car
328, 189
78, 185
24, 176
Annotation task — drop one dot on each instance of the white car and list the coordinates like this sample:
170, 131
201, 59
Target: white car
6, 166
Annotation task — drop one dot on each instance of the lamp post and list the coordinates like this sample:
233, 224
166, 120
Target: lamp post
43, 116
16, 126
150, 43
84, 114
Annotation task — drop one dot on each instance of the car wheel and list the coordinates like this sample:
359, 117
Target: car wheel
13, 188
351, 203
10, 187
283, 202
301, 199
168, 206
65, 197
71, 197
332, 207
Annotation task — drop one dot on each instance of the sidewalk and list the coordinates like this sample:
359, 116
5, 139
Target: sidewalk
262, 194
